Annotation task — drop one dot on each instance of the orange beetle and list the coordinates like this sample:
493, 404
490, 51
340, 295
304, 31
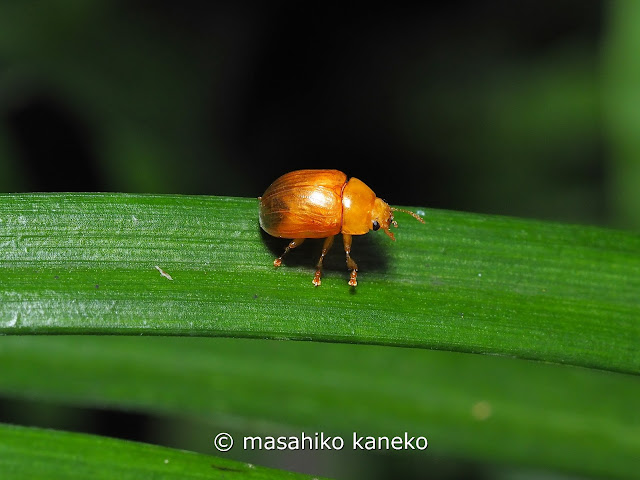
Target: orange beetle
320, 204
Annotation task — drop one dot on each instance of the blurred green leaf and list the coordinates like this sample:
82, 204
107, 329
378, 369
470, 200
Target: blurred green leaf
88, 264
621, 77
46, 454
486, 408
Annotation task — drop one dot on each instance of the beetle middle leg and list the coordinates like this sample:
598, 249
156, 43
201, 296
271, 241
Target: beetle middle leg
292, 244
325, 248
351, 265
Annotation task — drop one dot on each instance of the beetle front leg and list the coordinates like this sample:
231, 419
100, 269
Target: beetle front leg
351, 265
292, 244
325, 248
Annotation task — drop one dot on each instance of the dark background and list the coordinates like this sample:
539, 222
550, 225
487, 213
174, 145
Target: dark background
526, 108
495, 107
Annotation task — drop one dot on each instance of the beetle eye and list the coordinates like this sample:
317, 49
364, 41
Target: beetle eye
376, 225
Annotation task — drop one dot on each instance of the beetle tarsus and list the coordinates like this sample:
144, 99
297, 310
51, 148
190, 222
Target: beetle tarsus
316, 278
352, 281
277, 262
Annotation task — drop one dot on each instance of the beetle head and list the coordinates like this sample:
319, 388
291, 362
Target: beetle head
382, 217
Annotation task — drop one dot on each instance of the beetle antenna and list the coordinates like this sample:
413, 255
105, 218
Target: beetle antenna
414, 215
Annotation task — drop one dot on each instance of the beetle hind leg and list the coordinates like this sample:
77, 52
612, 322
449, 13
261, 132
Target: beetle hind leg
325, 248
292, 244
351, 264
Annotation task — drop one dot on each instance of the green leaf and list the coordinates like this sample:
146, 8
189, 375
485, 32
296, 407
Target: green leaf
74, 263
45, 454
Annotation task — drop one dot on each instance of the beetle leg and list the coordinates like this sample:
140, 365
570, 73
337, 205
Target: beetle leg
351, 265
325, 248
292, 244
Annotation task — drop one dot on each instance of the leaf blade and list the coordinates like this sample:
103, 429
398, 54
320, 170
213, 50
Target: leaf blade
78, 263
